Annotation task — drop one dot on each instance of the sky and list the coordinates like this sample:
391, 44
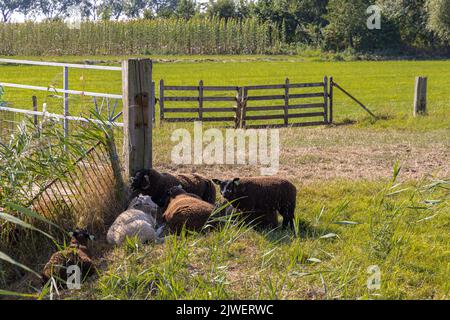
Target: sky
18, 17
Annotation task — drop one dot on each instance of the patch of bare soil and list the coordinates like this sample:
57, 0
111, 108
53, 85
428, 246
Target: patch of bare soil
308, 157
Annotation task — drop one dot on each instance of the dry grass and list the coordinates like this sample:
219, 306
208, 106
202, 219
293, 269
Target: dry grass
327, 153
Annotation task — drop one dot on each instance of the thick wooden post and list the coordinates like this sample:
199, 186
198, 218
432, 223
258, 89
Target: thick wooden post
286, 103
420, 96
137, 115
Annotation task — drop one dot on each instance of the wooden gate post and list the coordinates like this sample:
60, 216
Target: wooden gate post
161, 101
325, 100
239, 97
286, 103
137, 115
153, 100
420, 96
331, 100
244, 108
200, 100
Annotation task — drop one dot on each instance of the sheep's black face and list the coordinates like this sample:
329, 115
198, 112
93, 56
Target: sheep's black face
138, 181
161, 202
82, 236
173, 192
228, 188
143, 180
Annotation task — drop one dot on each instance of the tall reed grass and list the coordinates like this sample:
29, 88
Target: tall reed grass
160, 36
31, 160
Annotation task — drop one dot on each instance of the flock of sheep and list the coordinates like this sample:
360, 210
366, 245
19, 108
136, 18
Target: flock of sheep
167, 203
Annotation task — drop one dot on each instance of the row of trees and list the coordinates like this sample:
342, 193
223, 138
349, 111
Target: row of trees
331, 24
141, 36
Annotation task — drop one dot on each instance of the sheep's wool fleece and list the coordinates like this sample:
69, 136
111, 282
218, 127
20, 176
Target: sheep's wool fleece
132, 223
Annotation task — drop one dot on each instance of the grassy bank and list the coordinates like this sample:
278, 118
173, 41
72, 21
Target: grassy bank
345, 227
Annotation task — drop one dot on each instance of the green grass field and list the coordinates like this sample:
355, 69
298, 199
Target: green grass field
351, 216
386, 87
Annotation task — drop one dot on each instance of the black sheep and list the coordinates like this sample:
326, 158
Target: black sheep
261, 198
155, 184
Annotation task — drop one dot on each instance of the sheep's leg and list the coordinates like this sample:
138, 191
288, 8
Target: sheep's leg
262, 219
288, 213
272, 220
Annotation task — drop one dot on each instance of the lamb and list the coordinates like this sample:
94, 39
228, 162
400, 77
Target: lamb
261, 198
76, 254
138, 221
186, 210
156, 185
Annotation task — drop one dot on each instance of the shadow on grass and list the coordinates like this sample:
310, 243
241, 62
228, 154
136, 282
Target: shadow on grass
345, 122
285, 236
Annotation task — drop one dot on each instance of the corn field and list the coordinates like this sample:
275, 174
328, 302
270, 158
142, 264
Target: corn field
159, 36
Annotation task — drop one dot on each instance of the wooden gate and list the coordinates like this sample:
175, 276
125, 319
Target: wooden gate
289, 104
283, 105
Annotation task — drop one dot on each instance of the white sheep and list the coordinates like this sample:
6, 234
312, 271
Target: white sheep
138, 221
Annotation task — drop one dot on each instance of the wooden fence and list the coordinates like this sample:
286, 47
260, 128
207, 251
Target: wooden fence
248, 107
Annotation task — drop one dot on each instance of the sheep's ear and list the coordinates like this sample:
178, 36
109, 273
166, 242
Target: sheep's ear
237, 181
217, 181
147, 179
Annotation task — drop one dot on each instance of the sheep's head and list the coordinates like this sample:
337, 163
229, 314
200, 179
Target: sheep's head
143, 181
145, 204
175, 191
81, 236
229, 189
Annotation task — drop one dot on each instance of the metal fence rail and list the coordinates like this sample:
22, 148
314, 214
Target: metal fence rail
65, 91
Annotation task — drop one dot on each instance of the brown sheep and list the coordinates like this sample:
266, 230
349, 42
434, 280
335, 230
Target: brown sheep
155, 184
260, 199
186, 210
76, 254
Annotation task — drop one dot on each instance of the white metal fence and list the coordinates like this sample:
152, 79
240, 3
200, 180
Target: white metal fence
66, 117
